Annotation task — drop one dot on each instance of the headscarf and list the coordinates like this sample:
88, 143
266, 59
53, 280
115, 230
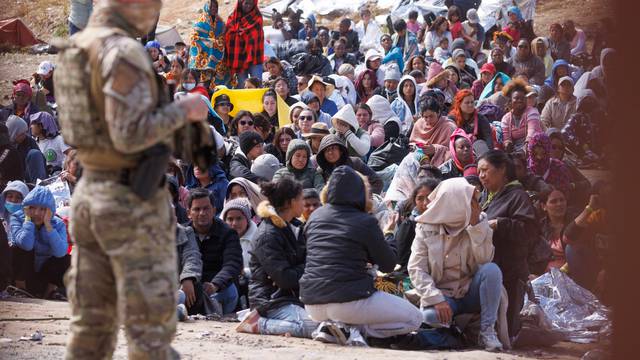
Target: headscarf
515, 10
552, 171
488, 90
244, 39
449, 206
452, 147
440, 133
48, 123
253, 192
360, 86
22, 85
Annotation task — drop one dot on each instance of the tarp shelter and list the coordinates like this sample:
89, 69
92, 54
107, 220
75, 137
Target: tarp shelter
15, 33
167, 36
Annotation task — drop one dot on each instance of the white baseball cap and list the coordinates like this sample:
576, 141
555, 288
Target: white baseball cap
45, 67
566, 78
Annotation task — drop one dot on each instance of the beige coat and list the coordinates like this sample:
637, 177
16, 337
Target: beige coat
426, 265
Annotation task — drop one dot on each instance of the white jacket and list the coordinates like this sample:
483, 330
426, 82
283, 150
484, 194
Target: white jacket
371, 38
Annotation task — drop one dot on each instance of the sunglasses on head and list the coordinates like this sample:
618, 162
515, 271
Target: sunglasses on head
243, 122
305, 118
523, 46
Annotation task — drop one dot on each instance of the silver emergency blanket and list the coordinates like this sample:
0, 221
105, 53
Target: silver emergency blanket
572, 311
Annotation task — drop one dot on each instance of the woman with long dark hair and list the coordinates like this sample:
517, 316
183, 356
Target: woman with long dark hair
467, 118
277, 264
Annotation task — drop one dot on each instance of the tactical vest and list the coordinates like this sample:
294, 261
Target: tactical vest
81, 109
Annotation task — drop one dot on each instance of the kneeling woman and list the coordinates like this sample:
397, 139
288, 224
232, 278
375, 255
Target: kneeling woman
450, 264
277, 264
342, 238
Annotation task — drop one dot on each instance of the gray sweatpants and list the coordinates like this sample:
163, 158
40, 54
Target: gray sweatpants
381, 315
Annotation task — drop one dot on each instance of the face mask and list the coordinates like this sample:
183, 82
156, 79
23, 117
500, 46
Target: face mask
189, 86
12, 207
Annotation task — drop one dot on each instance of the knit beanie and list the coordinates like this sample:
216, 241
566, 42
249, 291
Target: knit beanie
392, 73
457, 44
241, 204
248, 140
265, 166
457, 53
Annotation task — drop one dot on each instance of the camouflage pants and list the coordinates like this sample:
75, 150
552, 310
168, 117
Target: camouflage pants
123, 271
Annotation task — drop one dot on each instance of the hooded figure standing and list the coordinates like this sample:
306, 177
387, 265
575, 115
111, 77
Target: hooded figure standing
124, 265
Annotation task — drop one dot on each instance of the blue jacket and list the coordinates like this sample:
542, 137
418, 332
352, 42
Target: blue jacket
395, 54
329, 107
218, 185
27, 236
551, 81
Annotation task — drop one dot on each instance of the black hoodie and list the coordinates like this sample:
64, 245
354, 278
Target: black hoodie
342, 238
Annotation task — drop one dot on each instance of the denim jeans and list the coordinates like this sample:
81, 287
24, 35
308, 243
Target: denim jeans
73, 29
228, 298
483, 297
289, 318
253, 71
35, 166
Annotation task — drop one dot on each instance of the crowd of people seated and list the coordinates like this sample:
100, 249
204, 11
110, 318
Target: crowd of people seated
435, 150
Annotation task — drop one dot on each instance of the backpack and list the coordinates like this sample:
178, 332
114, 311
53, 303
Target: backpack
79, 113
390, 152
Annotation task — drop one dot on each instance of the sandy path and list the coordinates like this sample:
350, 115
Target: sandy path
222, 341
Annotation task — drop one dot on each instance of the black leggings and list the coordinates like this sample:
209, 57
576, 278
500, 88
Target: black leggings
51, 272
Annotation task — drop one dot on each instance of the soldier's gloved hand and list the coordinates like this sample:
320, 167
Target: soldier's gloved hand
195, 106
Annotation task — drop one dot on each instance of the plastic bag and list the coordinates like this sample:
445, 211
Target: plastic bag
571, 310
60, 190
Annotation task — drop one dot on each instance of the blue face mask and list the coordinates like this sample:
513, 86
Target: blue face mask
12, 207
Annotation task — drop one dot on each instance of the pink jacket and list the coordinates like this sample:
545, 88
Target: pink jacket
529, 126
376, 134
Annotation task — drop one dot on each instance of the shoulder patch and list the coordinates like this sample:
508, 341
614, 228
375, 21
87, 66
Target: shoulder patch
124, 49
124, 77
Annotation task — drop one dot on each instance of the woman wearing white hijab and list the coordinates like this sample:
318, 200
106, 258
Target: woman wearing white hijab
450, 264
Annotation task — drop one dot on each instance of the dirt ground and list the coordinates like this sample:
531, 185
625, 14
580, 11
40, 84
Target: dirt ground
206, 339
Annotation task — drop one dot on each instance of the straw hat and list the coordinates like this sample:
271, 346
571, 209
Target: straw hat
315, 78
318, 129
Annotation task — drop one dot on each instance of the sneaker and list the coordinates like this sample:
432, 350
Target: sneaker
339, 333
182, 313
324, 335
489, 340
250, 324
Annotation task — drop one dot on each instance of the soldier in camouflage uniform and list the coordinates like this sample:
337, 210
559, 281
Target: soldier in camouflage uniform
124, 262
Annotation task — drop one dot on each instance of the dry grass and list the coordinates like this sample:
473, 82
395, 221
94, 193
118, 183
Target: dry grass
46, 18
